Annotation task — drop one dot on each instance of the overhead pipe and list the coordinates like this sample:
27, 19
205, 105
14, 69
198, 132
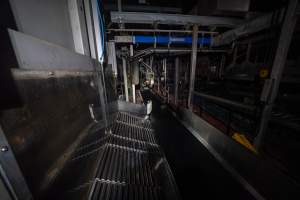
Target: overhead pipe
151, 50
169, 40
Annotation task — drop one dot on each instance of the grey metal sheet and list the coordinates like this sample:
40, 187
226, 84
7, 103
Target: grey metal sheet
33, 53
172, 19
47, 19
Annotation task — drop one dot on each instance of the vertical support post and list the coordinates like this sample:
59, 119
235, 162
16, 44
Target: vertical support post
125, 79
119, 5
132, 74
112, 58
165, 72
76, 26
193, 66
133, 93
271, 86
102, 92
10, 171
158, 84
88, 18
99, 50
176, 79
222, 64
97, 32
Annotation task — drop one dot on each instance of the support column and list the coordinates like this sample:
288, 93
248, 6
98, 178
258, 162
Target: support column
271, 85
133, 74
97, 32
125, 79
133, 94
193, 66
112, 58
165, 72
89, 24
76, 26
176, 79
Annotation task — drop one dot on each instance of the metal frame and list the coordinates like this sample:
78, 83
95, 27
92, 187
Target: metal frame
11, 172
89, 24
235, 104
172, 19
143, 8
250, 27
97, 31
271, 86
159, 31
76, 26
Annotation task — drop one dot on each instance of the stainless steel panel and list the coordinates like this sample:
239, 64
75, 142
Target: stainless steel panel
33, 53
47, 19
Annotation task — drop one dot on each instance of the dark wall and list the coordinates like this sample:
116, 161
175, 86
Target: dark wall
9, 97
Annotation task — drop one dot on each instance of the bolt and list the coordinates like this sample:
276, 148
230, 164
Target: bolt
51, 73
4, 149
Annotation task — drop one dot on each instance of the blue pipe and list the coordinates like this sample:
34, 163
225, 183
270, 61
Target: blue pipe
169, 40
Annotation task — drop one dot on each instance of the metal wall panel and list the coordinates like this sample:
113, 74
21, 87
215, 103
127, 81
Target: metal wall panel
36, 54
53, 115
46, 19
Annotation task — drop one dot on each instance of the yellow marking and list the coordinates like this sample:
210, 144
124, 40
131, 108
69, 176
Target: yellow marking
263, 73
240, 138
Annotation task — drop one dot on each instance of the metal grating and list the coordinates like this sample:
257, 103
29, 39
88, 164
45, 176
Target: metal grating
111, 190
128, 163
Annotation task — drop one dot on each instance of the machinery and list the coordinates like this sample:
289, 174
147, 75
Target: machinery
145, 99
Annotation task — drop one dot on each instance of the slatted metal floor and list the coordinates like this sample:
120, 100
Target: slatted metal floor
123, 162
129, 162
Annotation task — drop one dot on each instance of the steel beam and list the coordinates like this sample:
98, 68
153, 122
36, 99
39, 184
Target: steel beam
172, 19
271, 86
176, 79
193, 66
253, 26
158, 31
177, 51
143, 8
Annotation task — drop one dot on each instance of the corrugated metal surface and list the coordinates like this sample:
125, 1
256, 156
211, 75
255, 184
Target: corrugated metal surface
130, 162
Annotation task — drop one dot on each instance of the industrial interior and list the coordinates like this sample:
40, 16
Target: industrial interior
149, 100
